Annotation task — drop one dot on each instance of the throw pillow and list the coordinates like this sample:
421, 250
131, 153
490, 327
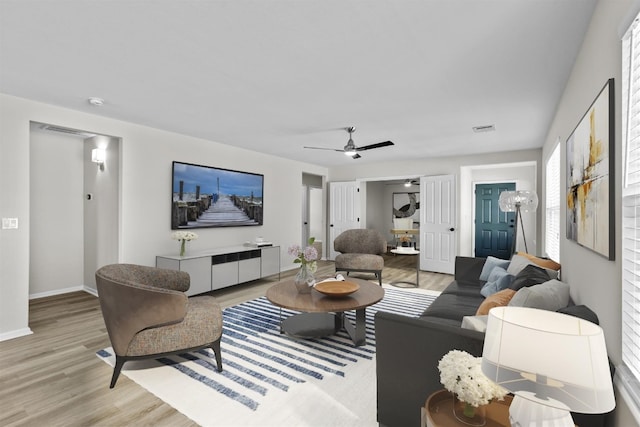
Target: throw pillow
490, 264
499, 299
551, 295
498, 280
542, 262
519, 262
581, 311
475, 323
529, 276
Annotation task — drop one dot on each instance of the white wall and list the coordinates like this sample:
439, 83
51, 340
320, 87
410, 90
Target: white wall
145, 185
56, 238
597, 279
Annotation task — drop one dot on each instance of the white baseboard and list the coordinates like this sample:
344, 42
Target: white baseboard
15, 334
64, 291
56, 292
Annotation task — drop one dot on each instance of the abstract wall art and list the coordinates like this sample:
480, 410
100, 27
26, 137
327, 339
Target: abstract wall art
590, 177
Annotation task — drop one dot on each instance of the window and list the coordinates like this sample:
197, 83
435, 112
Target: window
552, 203
630, 372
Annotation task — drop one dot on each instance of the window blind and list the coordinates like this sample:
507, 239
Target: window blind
552, 203
631, 201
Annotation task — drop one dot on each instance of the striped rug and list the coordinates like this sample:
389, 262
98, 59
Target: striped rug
271, 379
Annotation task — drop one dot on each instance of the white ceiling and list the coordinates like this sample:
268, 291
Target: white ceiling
274, 76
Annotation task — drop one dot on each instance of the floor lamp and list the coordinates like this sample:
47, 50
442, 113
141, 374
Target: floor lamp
518, 201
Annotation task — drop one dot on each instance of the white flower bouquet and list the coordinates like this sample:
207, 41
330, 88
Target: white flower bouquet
183, 236
461, 374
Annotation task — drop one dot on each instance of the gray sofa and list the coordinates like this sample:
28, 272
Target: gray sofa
408, 349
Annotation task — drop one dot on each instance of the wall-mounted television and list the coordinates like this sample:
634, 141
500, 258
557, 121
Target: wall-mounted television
207, 196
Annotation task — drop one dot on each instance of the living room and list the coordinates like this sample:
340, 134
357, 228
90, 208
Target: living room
144, 159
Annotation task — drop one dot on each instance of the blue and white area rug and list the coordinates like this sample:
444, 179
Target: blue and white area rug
271, 379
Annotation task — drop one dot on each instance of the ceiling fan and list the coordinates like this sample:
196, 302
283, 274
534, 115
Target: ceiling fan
350, 149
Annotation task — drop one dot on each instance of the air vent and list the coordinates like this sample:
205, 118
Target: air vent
68, 131
485, 128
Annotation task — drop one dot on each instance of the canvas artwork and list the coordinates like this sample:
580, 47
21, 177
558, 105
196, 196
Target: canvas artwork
407, 205
589, 177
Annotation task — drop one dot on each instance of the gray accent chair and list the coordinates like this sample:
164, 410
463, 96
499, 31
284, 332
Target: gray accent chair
360, 251
148, 315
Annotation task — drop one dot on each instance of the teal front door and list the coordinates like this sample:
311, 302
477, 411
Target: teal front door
494, 228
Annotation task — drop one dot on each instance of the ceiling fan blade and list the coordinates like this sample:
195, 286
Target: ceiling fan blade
378, 145
356, 156
323, 148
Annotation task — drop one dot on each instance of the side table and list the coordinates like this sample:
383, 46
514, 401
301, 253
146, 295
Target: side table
408, 251
438, 411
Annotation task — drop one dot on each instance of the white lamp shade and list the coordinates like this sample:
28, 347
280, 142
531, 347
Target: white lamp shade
550, 358
525, 199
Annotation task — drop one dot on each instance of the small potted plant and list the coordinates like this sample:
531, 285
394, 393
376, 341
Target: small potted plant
461, 374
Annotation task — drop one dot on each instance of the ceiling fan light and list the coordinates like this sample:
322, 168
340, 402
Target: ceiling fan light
350, 152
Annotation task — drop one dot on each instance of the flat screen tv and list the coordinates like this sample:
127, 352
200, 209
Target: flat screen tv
206, 196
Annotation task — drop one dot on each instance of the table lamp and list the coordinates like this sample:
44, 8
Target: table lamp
553, 363
518, 201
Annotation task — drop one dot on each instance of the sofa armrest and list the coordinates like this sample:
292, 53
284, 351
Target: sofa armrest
407, 354
468, 269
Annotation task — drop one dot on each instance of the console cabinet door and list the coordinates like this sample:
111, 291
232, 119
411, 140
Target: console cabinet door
248, 269
224, 274
199, 273
270, 259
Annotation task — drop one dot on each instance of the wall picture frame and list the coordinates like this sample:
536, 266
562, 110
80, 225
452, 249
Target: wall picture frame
406, 205
590, 177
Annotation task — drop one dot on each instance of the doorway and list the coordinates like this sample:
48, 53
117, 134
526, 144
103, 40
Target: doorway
74, 205
494, 228
313, 211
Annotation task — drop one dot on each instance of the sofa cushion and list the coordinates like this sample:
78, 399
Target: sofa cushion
498, 280
551, 295
490, 264
519, 262
463, 288
529, 276
454, 307
499, 299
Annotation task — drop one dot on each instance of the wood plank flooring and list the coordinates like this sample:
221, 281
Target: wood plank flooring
53, 378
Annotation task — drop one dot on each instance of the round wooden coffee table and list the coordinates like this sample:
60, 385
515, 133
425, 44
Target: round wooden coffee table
322, 315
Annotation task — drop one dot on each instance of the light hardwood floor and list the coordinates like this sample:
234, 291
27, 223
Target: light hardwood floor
53, 377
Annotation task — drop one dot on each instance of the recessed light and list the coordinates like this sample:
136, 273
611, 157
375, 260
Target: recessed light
96, 102
484, 128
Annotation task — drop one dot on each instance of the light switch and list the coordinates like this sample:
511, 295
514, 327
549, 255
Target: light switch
9, 223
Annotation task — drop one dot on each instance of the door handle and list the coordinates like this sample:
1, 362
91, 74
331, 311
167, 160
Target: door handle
452, 229
511, 226
330, 225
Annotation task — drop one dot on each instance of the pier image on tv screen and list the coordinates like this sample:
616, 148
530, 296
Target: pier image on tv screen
206, 196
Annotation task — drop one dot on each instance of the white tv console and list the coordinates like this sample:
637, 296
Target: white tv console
223, 267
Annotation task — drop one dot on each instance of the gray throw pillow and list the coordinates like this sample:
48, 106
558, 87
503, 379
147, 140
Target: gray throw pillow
551, 295
529, 276
490, 264
498, 280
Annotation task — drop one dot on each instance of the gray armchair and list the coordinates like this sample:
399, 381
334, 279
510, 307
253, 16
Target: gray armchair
360, 251
148, 315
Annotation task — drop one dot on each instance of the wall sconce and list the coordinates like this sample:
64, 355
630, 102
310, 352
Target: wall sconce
98, 155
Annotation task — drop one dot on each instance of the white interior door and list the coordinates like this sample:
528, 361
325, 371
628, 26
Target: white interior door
344, 211
437, 223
